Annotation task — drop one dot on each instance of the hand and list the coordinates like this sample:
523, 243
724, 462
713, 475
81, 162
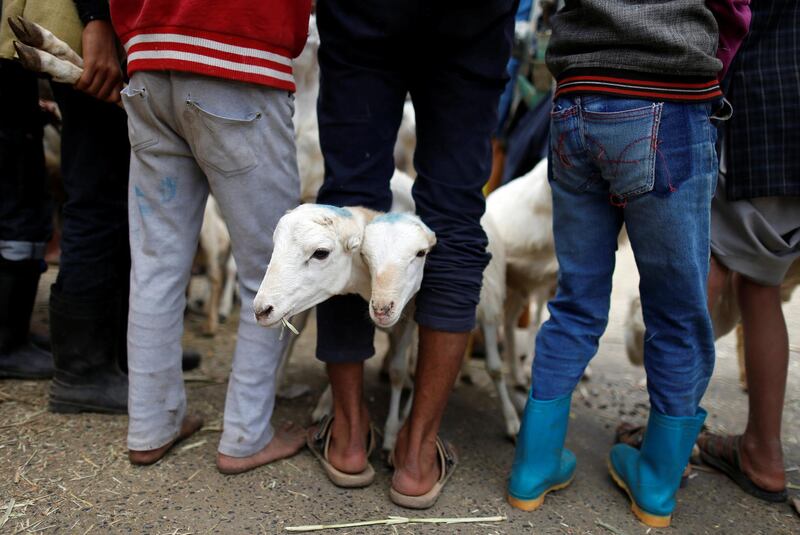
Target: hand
101, 77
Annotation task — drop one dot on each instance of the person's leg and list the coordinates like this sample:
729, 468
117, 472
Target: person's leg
586, 227
88, 302
717, 279
243, 137
668, 224
766, 361
167, 196
359, 109
455, 95
669, 231
25, 221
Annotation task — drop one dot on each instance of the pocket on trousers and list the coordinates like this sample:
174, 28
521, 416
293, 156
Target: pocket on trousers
141, 124
624, 144
223, 143
567, 153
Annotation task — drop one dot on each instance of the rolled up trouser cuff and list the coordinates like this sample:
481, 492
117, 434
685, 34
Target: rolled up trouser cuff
458, 324
22, 250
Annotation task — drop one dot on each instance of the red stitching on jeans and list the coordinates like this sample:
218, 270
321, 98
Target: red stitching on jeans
671, 187
559, 150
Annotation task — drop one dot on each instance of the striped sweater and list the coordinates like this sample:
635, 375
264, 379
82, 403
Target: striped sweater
664, 50
238, 39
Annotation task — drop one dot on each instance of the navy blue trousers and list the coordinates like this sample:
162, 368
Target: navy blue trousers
451, 58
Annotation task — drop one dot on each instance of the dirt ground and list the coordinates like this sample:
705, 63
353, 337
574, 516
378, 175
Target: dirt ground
69, 474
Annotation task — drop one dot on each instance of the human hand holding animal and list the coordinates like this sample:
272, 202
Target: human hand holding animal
101, 76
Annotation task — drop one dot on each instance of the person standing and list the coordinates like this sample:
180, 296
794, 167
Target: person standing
631, 141
209, 107
755, 237
451, 57
88, 300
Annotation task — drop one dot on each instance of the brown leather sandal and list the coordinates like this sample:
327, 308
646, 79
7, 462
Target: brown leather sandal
448, 461
724, 454
319, 440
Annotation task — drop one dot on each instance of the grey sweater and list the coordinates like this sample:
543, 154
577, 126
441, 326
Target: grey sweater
668, 38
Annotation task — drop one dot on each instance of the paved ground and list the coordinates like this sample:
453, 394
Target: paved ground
69, 474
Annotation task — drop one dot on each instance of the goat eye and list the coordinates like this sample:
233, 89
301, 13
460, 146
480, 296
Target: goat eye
321, 254
421, 253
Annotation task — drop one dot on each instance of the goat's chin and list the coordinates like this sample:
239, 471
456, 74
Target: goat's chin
271, 323
384, 322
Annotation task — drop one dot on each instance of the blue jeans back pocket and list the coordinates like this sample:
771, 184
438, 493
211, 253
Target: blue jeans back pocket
623, 144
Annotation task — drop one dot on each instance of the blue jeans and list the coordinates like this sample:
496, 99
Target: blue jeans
652, 166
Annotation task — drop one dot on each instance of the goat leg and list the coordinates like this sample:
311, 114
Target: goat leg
36, 36
398, 375
494, 366
37, 60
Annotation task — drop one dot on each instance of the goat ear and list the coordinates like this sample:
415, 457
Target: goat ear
431, 239
431, 235
352, 243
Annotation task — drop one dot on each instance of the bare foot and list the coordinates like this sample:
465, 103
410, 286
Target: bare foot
415, 472
348, 448
288, 440
191, 423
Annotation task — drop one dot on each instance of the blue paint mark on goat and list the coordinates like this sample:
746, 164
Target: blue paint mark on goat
341, 212
391, 217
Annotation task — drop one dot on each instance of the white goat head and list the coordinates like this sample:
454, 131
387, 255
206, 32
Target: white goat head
395, 247
315, 248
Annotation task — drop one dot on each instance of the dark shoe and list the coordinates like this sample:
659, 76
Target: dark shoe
191, 360
19, 358
87, 377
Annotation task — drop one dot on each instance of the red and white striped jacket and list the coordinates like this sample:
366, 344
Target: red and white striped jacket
246, 40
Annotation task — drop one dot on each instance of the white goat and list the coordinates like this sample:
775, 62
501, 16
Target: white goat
522, 214
406, 140
214, 256
402, 201
725, 316
323, 251
309, 155
490, 312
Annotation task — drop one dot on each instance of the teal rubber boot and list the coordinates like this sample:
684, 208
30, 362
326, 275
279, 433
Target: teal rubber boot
651, 475
541, 464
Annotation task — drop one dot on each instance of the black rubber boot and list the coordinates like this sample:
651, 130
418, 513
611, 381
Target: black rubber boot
19, 358
85, 340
